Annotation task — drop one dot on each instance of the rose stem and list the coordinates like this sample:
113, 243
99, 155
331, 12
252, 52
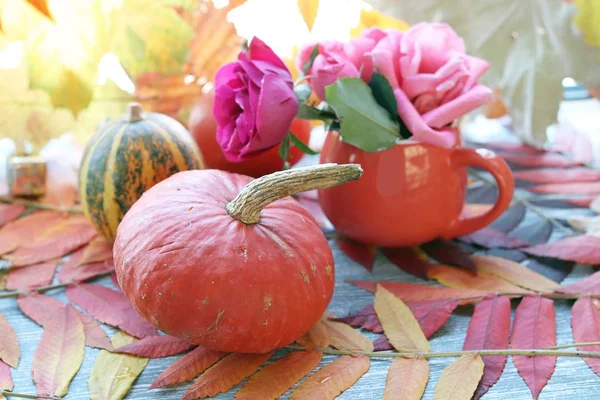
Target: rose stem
248, 204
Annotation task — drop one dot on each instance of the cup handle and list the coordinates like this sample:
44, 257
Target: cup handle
495, 165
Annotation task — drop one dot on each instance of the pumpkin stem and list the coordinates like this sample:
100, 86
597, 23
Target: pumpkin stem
248, 204
134, 112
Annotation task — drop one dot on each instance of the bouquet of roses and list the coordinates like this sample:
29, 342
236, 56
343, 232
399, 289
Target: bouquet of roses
376, 90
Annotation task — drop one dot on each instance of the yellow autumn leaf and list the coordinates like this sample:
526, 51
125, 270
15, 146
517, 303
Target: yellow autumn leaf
460, 379
309, 9
316, 338
372, 17
398, 322
588, 20
344, 337
406, 379
41, 6
114, 373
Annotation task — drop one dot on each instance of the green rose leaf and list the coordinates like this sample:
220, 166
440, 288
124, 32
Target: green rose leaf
364, 123
384, 94
306, 111
284, 150
313, 54
300, 145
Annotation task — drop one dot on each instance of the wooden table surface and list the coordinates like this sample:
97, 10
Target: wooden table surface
571, 380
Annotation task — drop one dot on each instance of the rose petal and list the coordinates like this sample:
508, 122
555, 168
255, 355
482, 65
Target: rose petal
420, 83
259, 51
414, 122
477, 67
467, 102
327, 69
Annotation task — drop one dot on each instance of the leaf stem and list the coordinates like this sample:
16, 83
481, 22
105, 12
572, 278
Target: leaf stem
40, 206
6, 393
42, 289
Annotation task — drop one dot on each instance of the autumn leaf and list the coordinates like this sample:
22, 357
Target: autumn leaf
510, 218
398, 322
365, 318
496, 108
72, 273
489, 329
156, 347
587, 21
188, 367
585, 324
31, 276
10, 212
10, 351
334, 378
535, 230
409, 292
461, 279
19, 232
568, 188
59, 354
588, 225
110, 307
113, 374
590, 285
583, 249
6, 382
344, 337
406, 379
99, 249
275, 379
514, 273
309, 9
409, 259
545, 160
460, 379
41, 308
450, 253
57, 241
225, 374
557, 175
373, 18
361, 253
534, 327
491, 238
42, 7
317, 337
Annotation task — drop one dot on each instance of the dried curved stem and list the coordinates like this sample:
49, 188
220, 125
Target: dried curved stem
248, 204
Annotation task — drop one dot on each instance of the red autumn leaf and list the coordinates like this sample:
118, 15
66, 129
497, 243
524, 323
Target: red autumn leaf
579, 202
74, 270
156, 347
510, 219
55, 242
409, 259
188, 367
19, 232
558, 175
461, 279
584, 201
365, 318
568, 188
97, 250
534, 327
411, 292
10, 351
31, 276
225, 374
449, 252
546, 160
536, 231
585, 323
331, 380
314, 208
382, 344
590, 285
583, 249
361, 253
59, 353
513, 255
10, 212
41, 308
6, 382
489, 237
275, 379
489, 329
513, 147
110, 307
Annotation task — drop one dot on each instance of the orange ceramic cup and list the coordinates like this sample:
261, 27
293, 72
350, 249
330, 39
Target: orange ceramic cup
409, 194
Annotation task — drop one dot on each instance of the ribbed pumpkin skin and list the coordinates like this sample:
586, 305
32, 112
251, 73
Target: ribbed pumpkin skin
124, 159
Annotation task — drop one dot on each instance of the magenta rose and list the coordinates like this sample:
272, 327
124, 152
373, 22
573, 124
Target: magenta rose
254, 103
433, 79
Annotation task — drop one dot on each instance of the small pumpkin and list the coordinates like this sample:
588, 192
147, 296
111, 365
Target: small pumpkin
227, 262
128, 156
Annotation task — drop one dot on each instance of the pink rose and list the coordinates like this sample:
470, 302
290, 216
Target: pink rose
435, 82
254, 103
359, 51
331, 64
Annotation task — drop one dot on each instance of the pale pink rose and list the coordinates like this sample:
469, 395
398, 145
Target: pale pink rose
359, 51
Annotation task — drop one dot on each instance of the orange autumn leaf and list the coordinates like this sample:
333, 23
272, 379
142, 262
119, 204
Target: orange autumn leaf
399, 323
461, 279
158, 346
331, 380
514, 272
17, 233
373, 18
309, 9
406, 379
42, 7
460, 379
56, 241
99, 249
496, 108
6, 382
344, 337
10, 351
224, 375
10, 212
31, 276
59, 354
316, 338
273, 380
188, 367
167, 95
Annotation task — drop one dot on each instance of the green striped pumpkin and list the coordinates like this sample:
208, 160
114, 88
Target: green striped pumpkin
128, 156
